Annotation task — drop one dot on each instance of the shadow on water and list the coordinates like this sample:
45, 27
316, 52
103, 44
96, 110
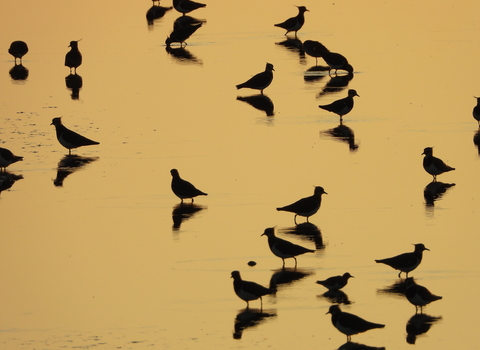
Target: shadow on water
397, 289
315, 74
357, 346
337, 82
70, 164
307, 231
184, 211
435, 191
336, 297
7, 180
249, 318
156, 12
476, 140
342, 133
419, 324
183, 55
74, 83
286, 276
18, 72
294, 45
260, 102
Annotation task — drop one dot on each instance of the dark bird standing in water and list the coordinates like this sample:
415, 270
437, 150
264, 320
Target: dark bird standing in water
405, 262
73, 58
68, 138
247, 290
294, 24
182, 188
18, 49
350, 324
186, 6
342, 106
306, 206
259, 81
476, 111
418, 295
7, 158
337, 61
283, 248
433, 165
335, 282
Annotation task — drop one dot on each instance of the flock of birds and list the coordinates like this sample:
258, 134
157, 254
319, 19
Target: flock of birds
184, 27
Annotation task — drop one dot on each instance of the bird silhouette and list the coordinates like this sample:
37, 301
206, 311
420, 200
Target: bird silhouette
247, 290
259, 81
294, 24
18, 49
405, 262
73, 58
433, 165
342, 106
476, 111
181, 33
336, 282
306, 206
68, 138
283, 248
418, 295
186, 6
182, 188
7, 158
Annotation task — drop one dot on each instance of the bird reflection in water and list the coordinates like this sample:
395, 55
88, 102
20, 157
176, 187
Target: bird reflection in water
260, 102
74, 83
342, 133
18, 72
69, 164
294, 45
336, 297
357, 346
308, 231
286, 276
419, 324
184, 211
434, 191
7, 180
476, 140
250, 318
315, 73
156, 12
337, 83
397, 289
183, 55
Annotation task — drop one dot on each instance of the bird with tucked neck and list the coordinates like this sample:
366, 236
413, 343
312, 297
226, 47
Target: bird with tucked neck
186, 6
433, 165
405, 262
342, 106
294, 24
350, 324
418, 295
18, 49
283, 248
259, 81
73, 58
306, 206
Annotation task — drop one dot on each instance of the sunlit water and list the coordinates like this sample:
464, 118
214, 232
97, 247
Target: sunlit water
95, 254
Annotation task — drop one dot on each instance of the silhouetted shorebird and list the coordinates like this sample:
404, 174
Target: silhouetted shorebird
259, 81
350, 324
18, 49
405, 262
314, 48
337, 61
335, 282
73, 58
68, 138
247, 290
476, 111
181, 34
283, 248
294, 24
186, 6
433, 165
7, 158
182, 188
342, 106
306, 206
418, 295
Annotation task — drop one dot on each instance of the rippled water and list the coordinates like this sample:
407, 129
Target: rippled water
97, 253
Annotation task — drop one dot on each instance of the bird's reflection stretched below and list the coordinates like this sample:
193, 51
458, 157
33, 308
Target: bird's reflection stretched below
18, 72
248, 318
286, 276
342, 133
7, 180
419, 324
308, 231
69, 164
184, 211
74, 83
336, 297
260, 102
357, 346
434, 191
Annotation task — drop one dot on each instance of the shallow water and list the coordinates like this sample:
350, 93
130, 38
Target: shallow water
93, 254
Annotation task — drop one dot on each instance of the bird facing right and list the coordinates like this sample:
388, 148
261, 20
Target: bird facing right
182, 188
405, 262
433, 165
350, 324
7, 158
259, 81
283, 248
18, 49
247, 290
418, 295
335, 282
306, 206
294, 24
342, 106
68, 138
73, 58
